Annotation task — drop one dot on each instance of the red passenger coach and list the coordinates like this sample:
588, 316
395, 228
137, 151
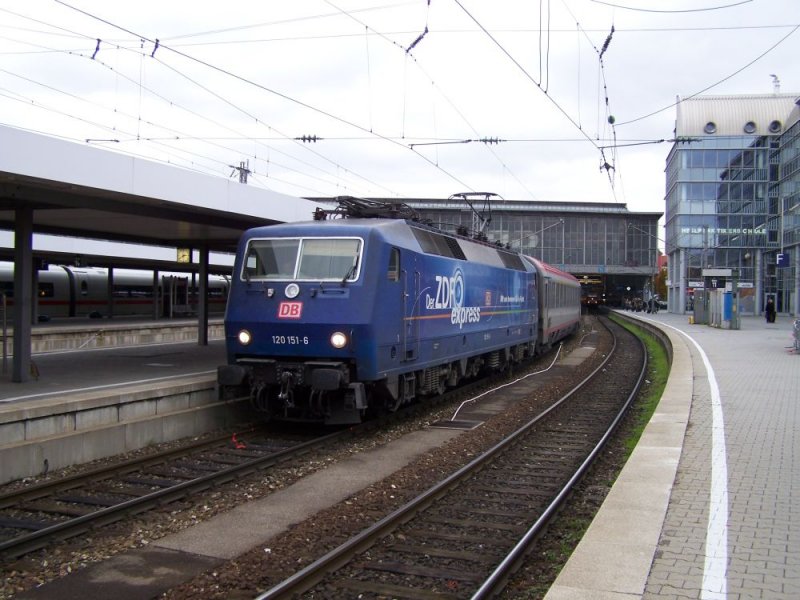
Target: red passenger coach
559, 303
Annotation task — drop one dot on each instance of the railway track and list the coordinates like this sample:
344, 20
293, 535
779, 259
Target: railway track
465, 536
35, 516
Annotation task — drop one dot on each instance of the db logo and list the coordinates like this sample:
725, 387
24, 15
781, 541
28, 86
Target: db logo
290, 310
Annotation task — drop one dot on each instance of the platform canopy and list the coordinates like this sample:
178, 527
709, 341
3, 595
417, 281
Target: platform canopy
79, 192
83, 191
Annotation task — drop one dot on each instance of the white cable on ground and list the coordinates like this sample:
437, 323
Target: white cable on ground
507, 384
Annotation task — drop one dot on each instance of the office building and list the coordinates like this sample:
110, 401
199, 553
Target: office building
732, 196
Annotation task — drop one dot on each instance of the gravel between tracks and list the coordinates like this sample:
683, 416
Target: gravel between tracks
255, 571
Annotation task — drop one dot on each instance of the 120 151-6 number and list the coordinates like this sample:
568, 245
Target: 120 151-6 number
293, 340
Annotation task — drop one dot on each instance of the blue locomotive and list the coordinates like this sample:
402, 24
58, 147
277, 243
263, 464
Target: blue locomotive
332, 320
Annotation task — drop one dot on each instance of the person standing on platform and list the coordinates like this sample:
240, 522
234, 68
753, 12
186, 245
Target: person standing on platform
769, 312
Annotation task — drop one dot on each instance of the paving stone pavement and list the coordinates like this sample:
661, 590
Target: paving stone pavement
759, 386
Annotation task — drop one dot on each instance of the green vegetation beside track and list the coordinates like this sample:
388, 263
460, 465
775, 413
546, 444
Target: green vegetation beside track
657, 374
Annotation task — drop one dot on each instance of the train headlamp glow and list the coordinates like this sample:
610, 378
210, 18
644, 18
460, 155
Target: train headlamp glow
244, 337
338, 340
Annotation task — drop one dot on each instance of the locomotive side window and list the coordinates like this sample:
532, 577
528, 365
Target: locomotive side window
393, 272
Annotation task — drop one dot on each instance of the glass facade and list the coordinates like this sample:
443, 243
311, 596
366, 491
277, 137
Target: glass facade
730, 204
575, 242
788, 278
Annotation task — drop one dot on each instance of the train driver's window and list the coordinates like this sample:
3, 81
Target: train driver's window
329, 259
271, 259
393, 273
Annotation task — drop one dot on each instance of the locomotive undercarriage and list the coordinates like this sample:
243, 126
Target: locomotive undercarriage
319, 391
324, 391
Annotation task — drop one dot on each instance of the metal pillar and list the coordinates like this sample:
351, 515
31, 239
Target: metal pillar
796, 291
156, 298
202, 298
683, 275
759, 282
110, 292
23, 294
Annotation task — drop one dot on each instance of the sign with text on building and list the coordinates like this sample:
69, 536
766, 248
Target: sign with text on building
717, 272
783, 259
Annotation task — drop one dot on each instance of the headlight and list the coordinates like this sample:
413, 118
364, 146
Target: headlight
338, 340
244, 337
292, 290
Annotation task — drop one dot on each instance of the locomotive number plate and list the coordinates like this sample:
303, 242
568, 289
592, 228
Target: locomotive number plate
290, 310
292, 340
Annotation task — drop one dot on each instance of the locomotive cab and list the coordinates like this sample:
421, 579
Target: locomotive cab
300, 327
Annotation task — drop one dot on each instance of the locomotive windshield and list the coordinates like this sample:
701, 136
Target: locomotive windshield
305, 259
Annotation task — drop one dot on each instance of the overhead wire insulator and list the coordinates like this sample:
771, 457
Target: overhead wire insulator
606, 43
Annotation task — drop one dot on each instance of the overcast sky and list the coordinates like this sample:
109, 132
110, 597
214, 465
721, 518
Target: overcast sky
399, 94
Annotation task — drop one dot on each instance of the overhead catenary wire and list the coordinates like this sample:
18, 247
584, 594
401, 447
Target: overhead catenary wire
136, 136
450, 102
179, 135
609, 168
139, 50
356, 111
604, 163
672, 11
527, 75
715, 84
267, 89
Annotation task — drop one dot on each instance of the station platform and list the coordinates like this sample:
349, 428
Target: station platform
84, 333
87, 354
704, 508
101, 388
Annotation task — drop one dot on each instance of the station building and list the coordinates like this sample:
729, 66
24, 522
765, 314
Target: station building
733, 200
612, 251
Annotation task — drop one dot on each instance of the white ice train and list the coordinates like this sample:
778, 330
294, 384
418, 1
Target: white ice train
66, 291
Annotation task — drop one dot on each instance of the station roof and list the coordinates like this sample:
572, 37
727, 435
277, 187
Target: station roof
83, 191
704, 116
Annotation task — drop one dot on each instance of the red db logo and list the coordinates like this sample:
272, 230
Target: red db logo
290, 310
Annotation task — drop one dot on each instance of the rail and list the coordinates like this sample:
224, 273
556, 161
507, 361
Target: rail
45, 534
342, 557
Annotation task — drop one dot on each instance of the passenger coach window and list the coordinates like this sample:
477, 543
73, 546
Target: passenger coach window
393, 273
